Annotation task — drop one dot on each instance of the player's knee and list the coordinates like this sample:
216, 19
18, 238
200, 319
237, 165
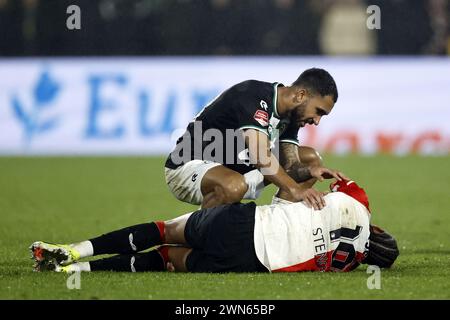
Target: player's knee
172, 232
310, 156
234, 188
169, 231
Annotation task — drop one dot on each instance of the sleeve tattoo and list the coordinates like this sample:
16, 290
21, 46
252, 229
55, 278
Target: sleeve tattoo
290, 161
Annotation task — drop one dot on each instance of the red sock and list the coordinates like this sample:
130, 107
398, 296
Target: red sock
161, 228
164, 252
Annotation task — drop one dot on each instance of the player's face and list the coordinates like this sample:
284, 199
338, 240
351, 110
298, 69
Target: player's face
310, 110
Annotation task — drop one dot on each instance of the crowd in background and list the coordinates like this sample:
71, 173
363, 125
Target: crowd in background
223, 27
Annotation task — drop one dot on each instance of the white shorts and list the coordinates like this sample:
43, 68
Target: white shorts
185, 181
255, 183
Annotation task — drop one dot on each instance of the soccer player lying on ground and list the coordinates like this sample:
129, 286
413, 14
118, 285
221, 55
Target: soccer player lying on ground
239, 238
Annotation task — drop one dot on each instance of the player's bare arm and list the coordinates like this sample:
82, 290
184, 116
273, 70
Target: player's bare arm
260, 154
301, 172
290, 161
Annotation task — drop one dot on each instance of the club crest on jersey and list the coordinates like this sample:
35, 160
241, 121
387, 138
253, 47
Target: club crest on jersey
262, 117
263, 104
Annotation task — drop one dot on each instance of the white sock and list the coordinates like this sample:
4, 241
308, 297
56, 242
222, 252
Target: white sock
85, 248
255, 183
79, 267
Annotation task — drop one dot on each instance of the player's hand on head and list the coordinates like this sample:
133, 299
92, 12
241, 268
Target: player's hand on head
321, 173
311, 197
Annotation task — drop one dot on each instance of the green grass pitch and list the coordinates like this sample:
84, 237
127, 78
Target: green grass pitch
71, 199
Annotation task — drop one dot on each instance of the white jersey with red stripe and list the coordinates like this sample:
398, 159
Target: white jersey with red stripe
292, 237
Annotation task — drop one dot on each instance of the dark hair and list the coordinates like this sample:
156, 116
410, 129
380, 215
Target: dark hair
318, 81
383, 249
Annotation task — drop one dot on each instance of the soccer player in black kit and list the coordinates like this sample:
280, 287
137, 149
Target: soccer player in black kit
229, 151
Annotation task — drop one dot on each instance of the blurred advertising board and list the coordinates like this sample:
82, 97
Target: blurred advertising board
139, 106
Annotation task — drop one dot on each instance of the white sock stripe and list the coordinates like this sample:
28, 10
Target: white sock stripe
133, 259
130, 237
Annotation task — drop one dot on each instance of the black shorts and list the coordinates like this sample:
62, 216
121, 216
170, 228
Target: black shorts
222, 239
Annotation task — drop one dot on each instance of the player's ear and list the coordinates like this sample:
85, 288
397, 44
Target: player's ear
300, 94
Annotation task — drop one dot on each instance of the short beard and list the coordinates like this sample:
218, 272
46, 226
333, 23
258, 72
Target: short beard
299, 111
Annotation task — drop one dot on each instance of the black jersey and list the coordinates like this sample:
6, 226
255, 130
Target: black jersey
247, 105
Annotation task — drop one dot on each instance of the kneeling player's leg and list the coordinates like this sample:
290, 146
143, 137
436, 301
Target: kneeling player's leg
221, 185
